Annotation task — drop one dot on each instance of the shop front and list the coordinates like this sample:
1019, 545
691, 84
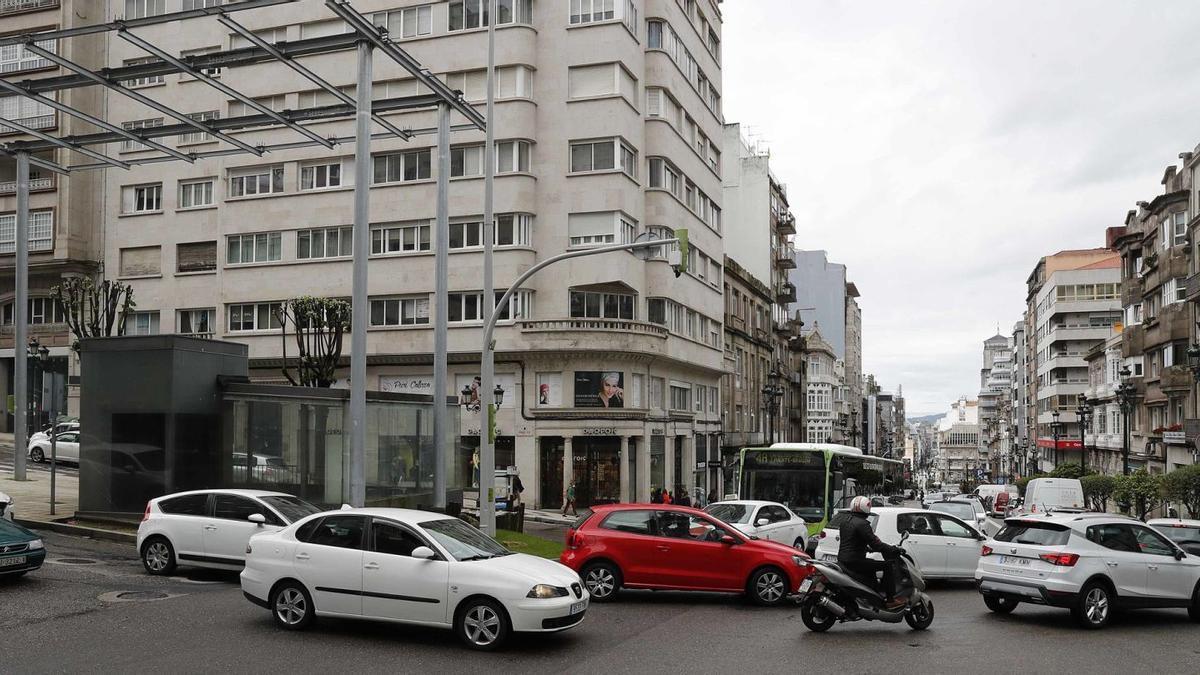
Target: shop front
597, 470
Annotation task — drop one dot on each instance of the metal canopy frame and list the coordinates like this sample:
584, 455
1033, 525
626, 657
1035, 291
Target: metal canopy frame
364, 37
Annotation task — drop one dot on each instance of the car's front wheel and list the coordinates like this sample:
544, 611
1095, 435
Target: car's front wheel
767, 587
1194, 608
603, 581
1094, 607
292, 606
37, 455
158, 556
1000, 605
482, 624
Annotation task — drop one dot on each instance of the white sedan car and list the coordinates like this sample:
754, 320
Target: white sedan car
944, 547
66, 448
6, 507
408, 566
765, 520
1185, 533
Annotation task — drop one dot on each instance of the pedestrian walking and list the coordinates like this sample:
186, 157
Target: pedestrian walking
569, 500
684, 500
666, 496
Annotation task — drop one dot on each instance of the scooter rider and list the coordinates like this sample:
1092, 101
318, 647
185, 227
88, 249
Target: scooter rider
857, 538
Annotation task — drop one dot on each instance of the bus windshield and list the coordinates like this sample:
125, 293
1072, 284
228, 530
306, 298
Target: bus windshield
802, 490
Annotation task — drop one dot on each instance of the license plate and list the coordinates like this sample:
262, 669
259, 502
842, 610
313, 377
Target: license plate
1011, 560
828, 557
805, 585
9, 562
578, 607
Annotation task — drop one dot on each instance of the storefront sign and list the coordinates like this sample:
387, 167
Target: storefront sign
700, 466
406, 384
599, 389
1174, 438
656, 432
599, 431
1063, 444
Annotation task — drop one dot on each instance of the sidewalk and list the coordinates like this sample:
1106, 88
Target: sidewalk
551, 517
33, 495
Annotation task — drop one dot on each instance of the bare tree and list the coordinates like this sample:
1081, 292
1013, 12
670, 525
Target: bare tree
93, 310
318, 325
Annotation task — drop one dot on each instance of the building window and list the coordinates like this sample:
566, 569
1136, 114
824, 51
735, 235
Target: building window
320, 176
465, 14
1174, 290
27, 111
466, 161
200, 256
141, 261
590, 305
41, 231
15, 58
41, 311
200, 136
514, 82
603, 155
211, 71
467, 307
258, 316
681, 394
262, 181
138, 125
406, 23
139, 9
603, 79
141, 323
600, 228
512, 157
400, 238
141, 198
402, 166
197, 321
411, 311
665, 176
511, 230
196, 193
325, 242
253, 248
588, 11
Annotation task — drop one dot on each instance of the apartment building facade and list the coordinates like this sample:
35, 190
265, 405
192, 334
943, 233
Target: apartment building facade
608, 126
823, 388
64, 225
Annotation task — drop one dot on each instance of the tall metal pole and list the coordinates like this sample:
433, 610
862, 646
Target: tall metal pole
487, 365
441, 244
359, 306
21, 321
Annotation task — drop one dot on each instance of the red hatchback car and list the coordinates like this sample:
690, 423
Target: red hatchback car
664, 547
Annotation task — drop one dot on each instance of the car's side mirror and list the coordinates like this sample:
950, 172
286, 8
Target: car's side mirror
728, 540
257, 518
1180, 555
423, 553
762, 521
903, 537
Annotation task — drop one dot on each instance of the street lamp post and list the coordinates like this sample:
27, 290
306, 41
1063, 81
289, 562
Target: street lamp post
1055, 430
472, 400
1126, 396
771, 392
1085, 416
38, 354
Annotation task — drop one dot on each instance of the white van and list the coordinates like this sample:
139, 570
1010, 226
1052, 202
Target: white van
1046, 494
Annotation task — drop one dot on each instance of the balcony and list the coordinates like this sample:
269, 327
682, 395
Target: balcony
1192, 287
9, 187
36, 122
785, 255
573, 334
18, 6
1176, 378
786, 223
785, 293
613, 325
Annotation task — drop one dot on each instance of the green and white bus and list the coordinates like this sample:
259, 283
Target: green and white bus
812, 479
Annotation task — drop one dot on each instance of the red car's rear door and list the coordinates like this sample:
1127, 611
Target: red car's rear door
628, 537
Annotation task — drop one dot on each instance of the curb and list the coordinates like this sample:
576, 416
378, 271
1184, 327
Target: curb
78, 531
547, 521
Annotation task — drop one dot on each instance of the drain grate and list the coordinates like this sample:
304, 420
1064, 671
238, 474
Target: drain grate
142, 595
75, 561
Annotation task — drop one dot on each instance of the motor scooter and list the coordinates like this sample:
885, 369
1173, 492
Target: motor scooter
832, 595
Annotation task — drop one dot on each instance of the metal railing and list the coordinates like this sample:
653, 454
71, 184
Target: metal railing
37, 122
615, 325
9, 187
14, 6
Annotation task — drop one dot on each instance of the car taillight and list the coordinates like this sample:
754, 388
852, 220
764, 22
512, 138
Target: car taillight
1060, 559
574, 539
146, 515
986, 550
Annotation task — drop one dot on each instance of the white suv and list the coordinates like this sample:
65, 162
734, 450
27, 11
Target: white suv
1090, 563
210, 528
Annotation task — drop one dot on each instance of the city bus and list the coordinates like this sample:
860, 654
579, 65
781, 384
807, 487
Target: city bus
812, 479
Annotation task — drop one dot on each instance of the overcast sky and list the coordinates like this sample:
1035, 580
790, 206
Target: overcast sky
940, 148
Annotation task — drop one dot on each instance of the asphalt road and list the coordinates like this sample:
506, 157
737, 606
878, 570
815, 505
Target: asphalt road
64, 618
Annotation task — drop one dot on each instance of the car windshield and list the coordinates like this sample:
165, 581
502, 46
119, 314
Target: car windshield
802, 491
1181, 534
291, 508
462, 541
730, 513
958, 509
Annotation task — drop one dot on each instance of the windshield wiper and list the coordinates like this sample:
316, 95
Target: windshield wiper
476, 557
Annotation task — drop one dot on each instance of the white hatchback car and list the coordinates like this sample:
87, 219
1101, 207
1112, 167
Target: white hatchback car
413, 567
210, 528
66, 448
765, 520
944, 547
1090, 563
1185, 533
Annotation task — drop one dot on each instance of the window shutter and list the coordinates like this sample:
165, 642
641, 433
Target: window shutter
595, 80
196, 257
142, 261
590, 224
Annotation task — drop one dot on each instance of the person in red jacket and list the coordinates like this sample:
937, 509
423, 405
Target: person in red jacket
667, 497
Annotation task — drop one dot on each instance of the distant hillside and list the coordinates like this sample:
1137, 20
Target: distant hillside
927, 419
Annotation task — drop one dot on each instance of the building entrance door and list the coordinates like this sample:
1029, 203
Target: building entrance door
597, 470
551, 486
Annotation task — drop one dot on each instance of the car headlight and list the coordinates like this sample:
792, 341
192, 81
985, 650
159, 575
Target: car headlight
802, 562
36, 544
546, 591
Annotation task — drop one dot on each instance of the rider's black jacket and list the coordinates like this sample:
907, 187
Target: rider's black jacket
857, 538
